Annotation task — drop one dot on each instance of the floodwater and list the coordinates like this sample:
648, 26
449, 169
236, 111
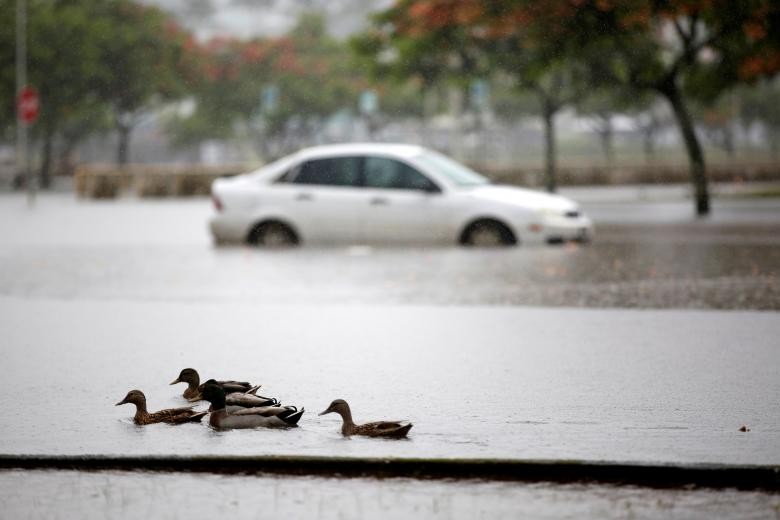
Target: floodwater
655, 344
502, 382
101, 495
161, 251
100, 298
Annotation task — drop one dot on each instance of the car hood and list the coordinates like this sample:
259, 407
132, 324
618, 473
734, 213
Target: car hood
523, 197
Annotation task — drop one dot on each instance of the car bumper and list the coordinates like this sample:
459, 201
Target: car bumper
228, 229
562, 230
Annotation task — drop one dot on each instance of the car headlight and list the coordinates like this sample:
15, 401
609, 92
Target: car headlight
549, 213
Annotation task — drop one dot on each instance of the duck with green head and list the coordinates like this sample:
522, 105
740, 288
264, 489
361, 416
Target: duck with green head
387, 429
194, 388
169, 415
236, 401
253, 417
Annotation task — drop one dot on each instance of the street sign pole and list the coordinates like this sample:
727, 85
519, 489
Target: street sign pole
22, 154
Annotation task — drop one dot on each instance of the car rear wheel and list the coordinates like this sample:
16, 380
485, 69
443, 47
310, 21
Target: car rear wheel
273, 234
488, 233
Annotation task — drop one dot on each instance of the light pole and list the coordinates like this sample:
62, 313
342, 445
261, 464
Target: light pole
22, 163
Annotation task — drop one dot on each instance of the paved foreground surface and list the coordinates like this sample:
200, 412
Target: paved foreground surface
55, 495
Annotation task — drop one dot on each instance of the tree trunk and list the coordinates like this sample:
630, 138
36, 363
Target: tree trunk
123, 148
606, 135
549, 110
728, 141
692, 146
648, 144
46, 153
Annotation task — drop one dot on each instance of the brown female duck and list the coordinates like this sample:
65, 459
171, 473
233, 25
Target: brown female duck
194, 388
169, 415
388, 429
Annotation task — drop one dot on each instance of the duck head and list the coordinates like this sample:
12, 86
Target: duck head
189, 376
338, 406
214, 394
135, 397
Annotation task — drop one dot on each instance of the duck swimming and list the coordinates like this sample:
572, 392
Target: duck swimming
387, 429
169, 415
236, 401
266, 416
194, 388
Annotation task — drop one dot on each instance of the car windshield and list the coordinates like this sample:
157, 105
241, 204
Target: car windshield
455, 172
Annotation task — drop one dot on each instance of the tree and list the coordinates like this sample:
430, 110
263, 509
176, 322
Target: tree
761, 104
467, 39
143, 64
681, 50
602, 105
718, 119
305, 76
85, 58
63, 62
678, 49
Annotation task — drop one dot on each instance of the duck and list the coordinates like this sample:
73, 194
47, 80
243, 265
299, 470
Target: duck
266, 416
194, 388
169, 415
235, 401
387, 429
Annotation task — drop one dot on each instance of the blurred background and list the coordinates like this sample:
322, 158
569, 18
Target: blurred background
525, 92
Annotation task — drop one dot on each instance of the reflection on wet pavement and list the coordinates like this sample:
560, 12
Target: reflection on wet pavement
609, 273
68, 495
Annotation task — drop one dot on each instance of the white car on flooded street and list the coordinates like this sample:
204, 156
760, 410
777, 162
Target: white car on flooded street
385, 194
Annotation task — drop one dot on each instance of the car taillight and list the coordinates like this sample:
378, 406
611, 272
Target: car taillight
217, 202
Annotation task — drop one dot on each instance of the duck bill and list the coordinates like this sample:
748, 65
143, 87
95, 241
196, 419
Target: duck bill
175, 381
123, 401
326, 411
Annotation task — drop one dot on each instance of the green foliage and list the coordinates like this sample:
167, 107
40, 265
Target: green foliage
313, 74
90, 58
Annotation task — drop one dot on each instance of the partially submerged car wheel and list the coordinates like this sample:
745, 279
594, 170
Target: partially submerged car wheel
488, 233
273, 234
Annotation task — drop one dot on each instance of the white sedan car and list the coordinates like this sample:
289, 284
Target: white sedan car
386, 194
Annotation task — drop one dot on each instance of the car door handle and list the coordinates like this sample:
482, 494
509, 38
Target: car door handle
379, 201
304, 196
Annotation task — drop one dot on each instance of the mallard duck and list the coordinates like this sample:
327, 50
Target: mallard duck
389, 429
169, 415
194, 388
236, 401
268, 416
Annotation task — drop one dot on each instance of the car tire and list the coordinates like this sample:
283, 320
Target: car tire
273, 235
488, 233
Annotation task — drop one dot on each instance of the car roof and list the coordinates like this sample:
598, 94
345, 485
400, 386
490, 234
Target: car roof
397, 150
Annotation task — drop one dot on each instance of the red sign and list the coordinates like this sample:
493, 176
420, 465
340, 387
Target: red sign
28, 105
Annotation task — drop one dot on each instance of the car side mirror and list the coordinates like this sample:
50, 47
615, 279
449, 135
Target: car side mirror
432, 189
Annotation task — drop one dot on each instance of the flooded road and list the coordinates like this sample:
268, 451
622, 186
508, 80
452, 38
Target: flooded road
502, 382
654, 344
161, 251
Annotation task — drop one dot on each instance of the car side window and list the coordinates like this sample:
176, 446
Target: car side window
383, 172
333, 171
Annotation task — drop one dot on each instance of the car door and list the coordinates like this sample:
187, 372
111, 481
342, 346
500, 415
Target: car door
323, 198
403, 204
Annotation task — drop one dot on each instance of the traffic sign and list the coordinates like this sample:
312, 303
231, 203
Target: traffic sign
28, 105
